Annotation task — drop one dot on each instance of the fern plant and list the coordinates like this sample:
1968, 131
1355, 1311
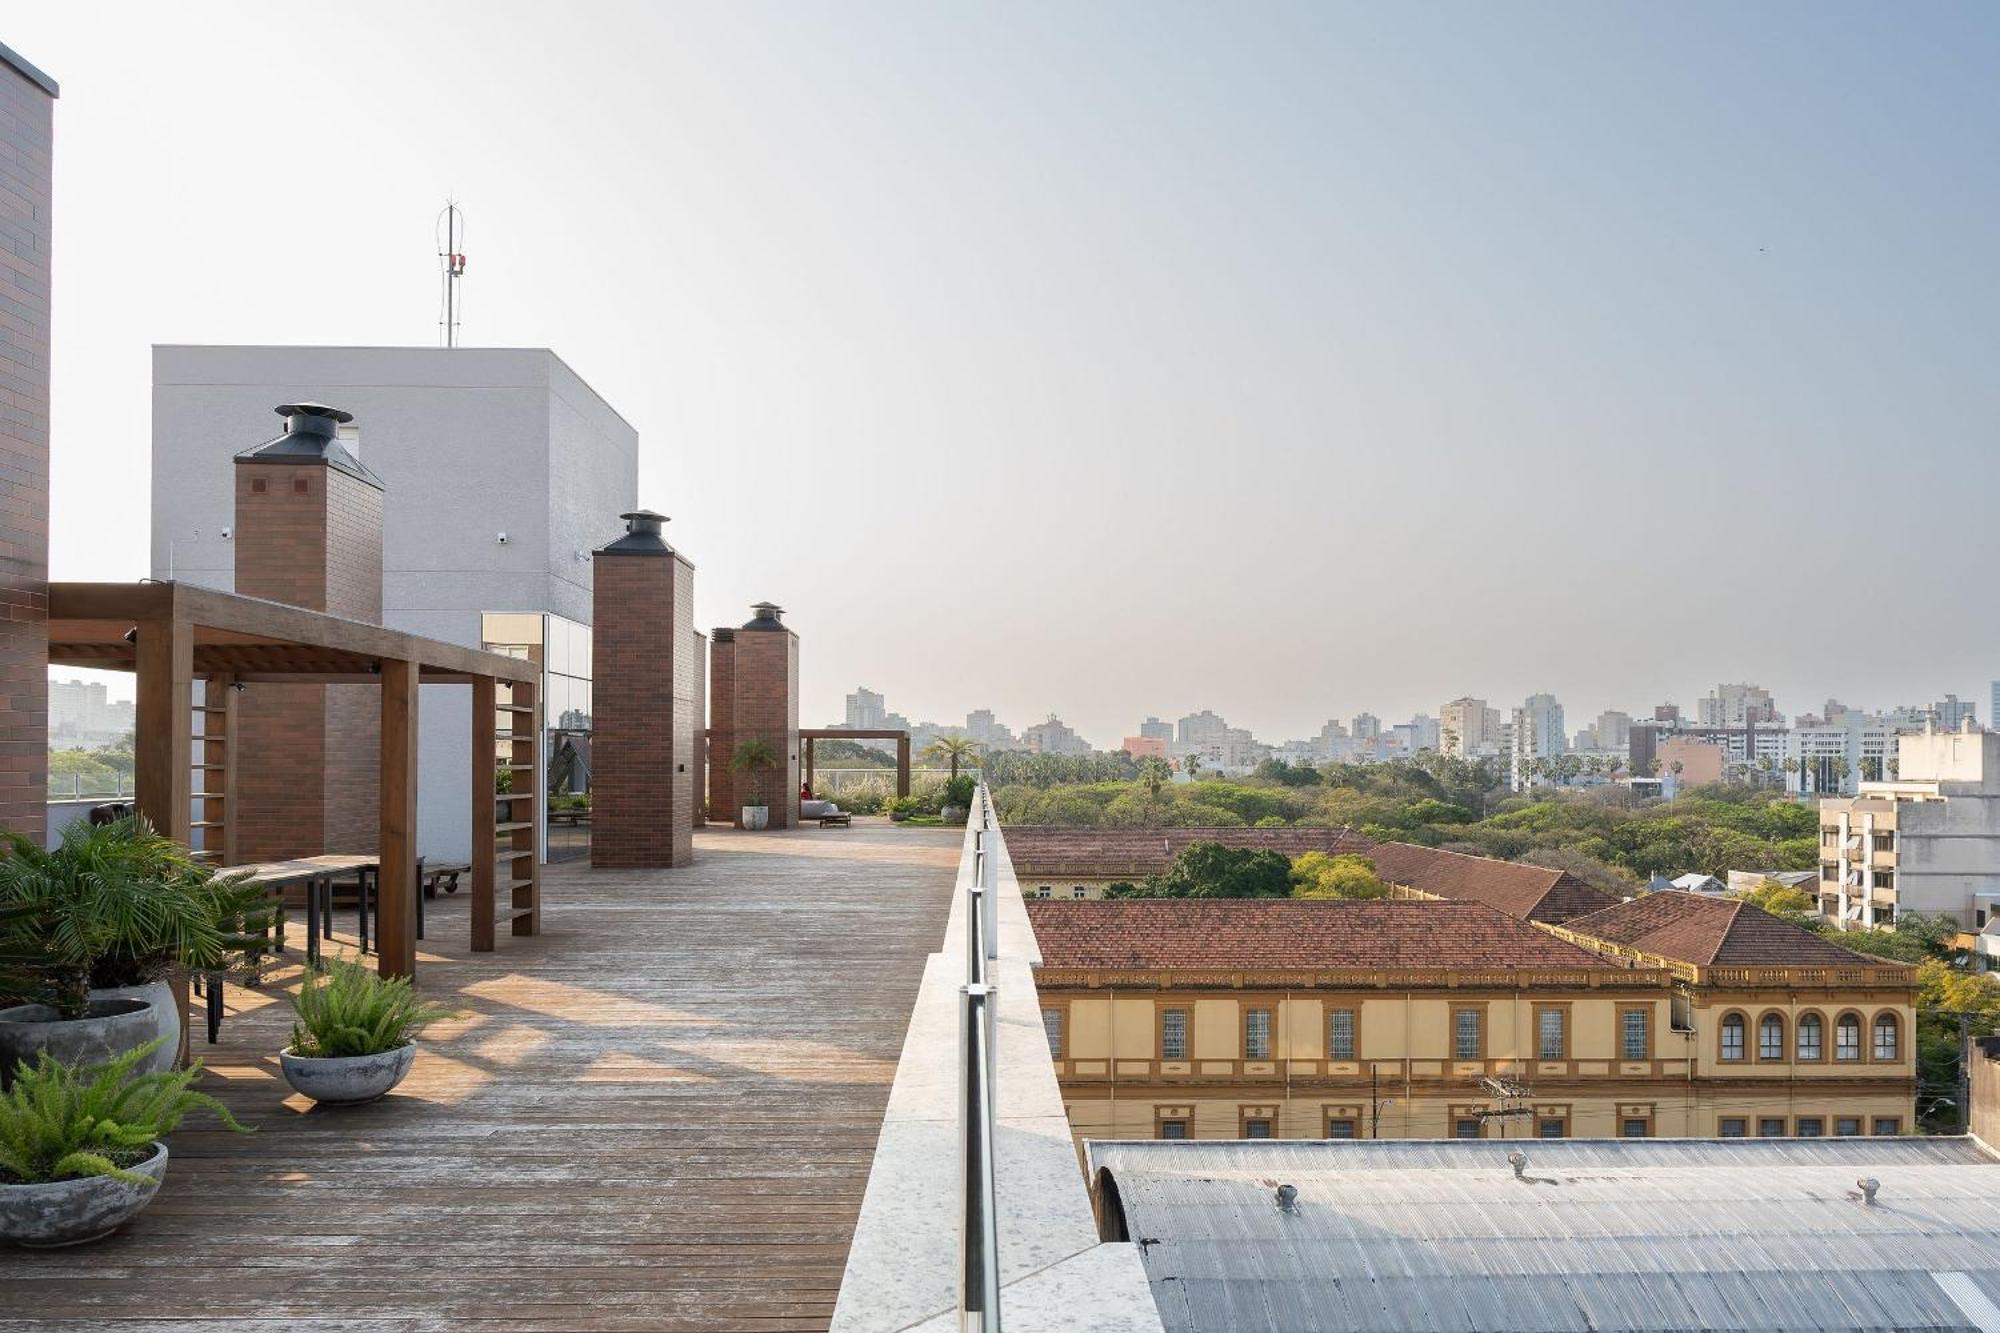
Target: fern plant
350, 1010
116, 905
66, 1122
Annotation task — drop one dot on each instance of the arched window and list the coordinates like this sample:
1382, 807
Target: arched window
1847, 1037
1732, 1036
1810, 1031
1886, 1045
1771, 1037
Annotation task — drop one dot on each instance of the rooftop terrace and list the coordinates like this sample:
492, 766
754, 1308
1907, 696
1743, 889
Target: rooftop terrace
660, 1114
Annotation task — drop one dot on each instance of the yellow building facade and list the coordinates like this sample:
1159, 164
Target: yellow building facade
1584, 1044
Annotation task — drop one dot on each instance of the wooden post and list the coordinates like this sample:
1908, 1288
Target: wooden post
526, 874
903, 764
484, 765
809, 745
396, 934
224, 779
163, 726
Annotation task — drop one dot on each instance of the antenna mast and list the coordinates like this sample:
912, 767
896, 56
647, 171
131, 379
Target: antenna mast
450, 231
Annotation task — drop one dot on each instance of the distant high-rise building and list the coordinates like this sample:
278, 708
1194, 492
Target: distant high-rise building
1367, 726
1053, 737
1737, 706
1668, 713
1154, 729
866, 710
982, 726
80, 713
1614, 729
1197, 731
1993, 708
1425, 732
1953, 715
1538, 734
1468, 729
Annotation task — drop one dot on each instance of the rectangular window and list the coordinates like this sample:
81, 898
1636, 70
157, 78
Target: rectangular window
1731, 1128
1553, 1043
1635, 1127
1257, 1129
1771, 1038
1173, 1129
1847, 1126
1732, 1038
1042, 892
1465, 1127
1466, 1043
1340, 1034
1052, 1027
1257, 1034
1078, 892
1771, 1127
1885, 1037
1552, 1127
1809, 1042
1632, 1026
1173, 1034
1811, 1127
1888, 1124
1340, 1129
1847, 1039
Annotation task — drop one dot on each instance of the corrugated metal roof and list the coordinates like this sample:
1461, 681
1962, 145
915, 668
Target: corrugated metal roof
1760, 1234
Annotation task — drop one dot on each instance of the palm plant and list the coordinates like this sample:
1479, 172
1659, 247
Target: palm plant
1192, 765
754, 759
350, 1010
66, 1122
954, 750
116, 905
1154, 774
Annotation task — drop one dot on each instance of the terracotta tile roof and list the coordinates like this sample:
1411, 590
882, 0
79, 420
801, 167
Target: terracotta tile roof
1532, 893
1138, 852
1261, 933
1719, 932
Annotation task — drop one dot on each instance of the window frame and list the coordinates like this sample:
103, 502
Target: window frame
1553, 1114
1818, 1123
1777, 1120
1059, 1048
1816, 1021
1764, 1022
1894, 1122
1860, 1029
1160, 1012
1645, 1013
1561, 1013
1742, 1124
1243, 1031
1353, 1127
1478, 1010
1895, 1022
1353, 1013
1737, 1019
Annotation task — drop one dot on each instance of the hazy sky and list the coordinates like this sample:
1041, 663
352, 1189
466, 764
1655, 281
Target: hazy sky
1109, 360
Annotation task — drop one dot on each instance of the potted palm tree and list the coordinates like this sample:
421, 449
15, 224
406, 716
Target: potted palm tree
755, 759
355, 1035
82, 1148
90, 930
954, 750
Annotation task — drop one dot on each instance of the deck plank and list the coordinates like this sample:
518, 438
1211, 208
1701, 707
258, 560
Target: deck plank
659, 1114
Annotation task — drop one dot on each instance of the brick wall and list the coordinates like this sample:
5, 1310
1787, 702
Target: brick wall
722, 805
27, 122
766, 704
642, 709
308, 758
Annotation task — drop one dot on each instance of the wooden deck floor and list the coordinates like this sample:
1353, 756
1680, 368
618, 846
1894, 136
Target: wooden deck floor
658, 1115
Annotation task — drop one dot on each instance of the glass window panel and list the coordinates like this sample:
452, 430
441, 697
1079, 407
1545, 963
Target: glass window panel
1257, 1034
1173, 1034
1809, 1037
1465, 1041
1552, 1044
1634, 1027
1052, 1026
1340, 1035
1847, 1038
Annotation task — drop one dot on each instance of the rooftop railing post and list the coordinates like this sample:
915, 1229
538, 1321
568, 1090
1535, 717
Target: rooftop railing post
979, 1234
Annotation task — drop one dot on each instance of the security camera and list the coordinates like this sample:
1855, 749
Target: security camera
503, 539
225, 534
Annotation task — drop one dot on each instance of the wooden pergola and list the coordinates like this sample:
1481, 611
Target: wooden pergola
902, 738
171, 635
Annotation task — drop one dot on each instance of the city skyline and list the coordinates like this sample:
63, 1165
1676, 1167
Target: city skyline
1373, 350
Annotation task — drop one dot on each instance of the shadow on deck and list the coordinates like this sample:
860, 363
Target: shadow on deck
658, 1115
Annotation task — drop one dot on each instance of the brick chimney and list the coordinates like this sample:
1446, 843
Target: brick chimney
643, 706
308, 533
754, 685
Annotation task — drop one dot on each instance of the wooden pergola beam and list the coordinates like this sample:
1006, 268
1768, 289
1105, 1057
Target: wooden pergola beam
397, 849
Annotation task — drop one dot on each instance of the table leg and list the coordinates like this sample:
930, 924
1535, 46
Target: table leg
420, 897
361, 886
212, 991
312, 921
326, 906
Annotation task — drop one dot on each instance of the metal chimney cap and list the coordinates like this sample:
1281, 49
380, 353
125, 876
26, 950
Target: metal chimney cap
311, 431
642, 535
769, 615
313, 418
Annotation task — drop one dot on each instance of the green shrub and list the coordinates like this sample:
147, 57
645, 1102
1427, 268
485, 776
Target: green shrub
350, 1010
863, 798
68, 1122
958, 791
117, 905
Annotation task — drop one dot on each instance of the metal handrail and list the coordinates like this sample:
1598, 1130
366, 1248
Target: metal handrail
978, 1032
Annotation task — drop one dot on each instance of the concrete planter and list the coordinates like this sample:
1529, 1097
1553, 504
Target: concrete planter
70, 1212
166, 1020
347, 1080
756, 816
111, 1028
952, 814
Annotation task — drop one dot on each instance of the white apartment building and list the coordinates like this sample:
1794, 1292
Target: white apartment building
1538, 734
1736, 706
1468, 729
1052, 737
866, 710
1929, 841
1837, 757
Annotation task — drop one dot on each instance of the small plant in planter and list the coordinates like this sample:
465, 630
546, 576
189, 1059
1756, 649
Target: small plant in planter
956, 802
755, 759
355, 1036
82, 1147
90, 929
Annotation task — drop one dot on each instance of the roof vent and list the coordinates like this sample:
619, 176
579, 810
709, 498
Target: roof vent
1519, 1161
766, 615
642, 535
1868, 1185
313, 419
1288, 1198
312, 432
